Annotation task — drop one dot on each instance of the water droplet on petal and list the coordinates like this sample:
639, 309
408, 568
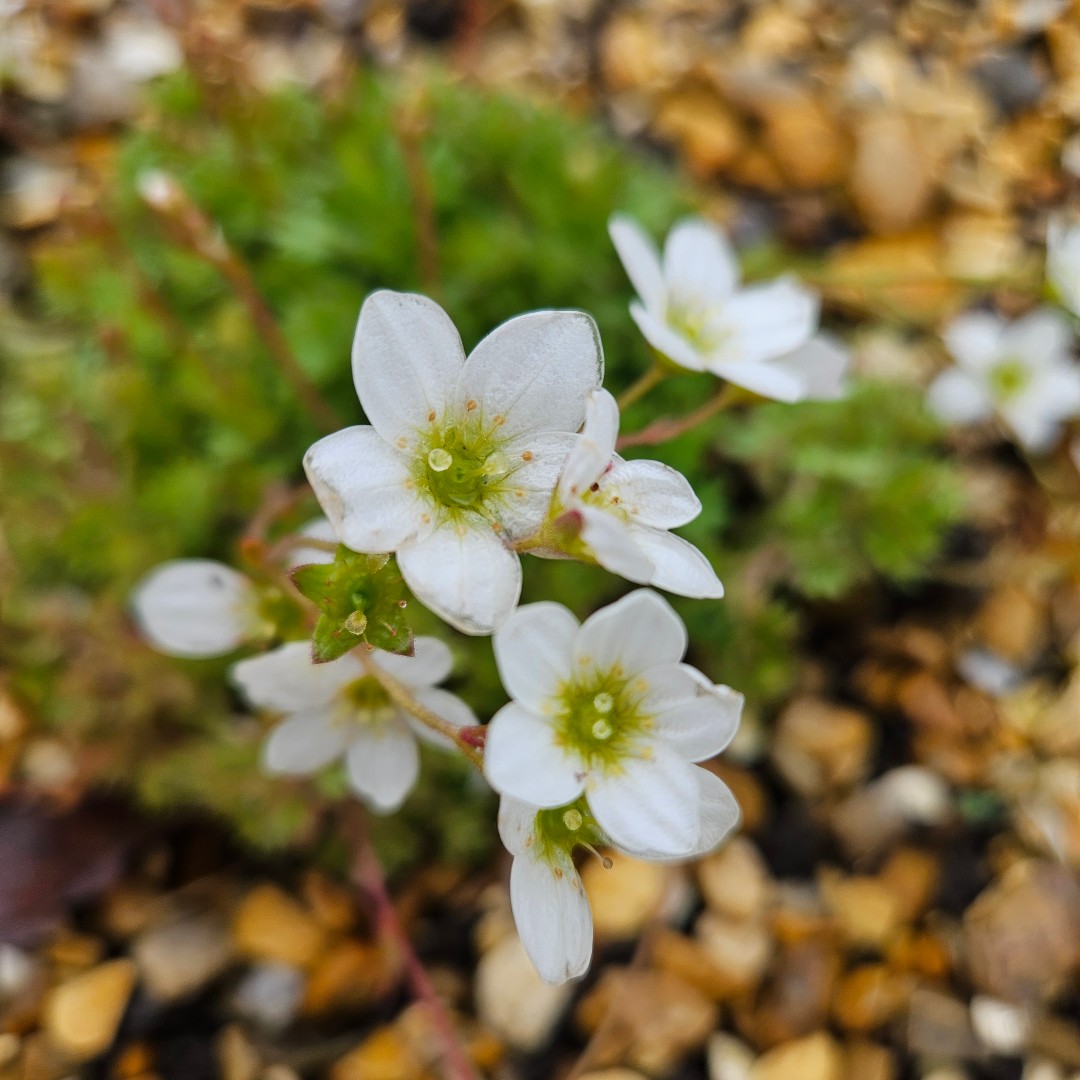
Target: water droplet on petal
601, 730
572, 819
439, 460
603, 702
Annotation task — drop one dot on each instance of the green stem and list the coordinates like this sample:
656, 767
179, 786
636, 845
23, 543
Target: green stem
668, 428
636, 391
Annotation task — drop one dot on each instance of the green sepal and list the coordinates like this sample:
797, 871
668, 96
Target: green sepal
361, 600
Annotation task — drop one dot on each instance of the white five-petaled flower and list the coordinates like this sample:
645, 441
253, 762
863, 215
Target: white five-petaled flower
1063, 262
625, 508
693, 311
462, 455
196, 608
605, 709
341, 708
546, 895
1022, 371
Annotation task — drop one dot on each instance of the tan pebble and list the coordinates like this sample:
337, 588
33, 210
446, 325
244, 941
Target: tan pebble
706, 131
270, 925
10, 1046
128, 909
237, 1057
869, 1061
332, 904
821, 747
739, 950
981, 246
347, 978
630, 55
383, 1055
815, 1057
623, 897
806, 141
729, 1058
76, 952
776, 32
869, 997
614, 1074
690, 961
513, 1001
178, 958
82, 1014
892, 179
912, 875
867, 911
1012, 623
734, 881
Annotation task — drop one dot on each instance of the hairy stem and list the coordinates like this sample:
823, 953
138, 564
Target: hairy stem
409, 127
401, 696
165, 196
367, 875
669, 427
637, 390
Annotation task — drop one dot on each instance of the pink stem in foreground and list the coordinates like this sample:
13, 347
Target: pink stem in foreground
367, 875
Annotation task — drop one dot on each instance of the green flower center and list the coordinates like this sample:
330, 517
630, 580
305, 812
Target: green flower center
365, 703
1008, 379
600, 719
464, 467
557, 832
695, 321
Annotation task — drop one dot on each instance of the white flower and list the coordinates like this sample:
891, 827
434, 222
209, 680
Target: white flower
625, 508
339, 708
692, 311
1063, 262
1021, 370
196, 608
606, 710
822, 363
462, 455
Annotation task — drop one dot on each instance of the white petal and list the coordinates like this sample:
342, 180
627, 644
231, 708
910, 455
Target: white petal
678, 566
635, 633
304, 743
552, 916
764, 322
534, 650
1042, 338
1054, 391
286, 679
516, 822
406, 358
654, 493
465, 574
974, 339
365, 489
698, 261
666, 341
594, 449
718, 814
821, 365
957, 398
448, 706
539, 459
318, 529
382, 766
430, 663
690, 714
522, 760
611, 543
769, 380
535, 371
640, 260
1063, 261
194, 608
649, 803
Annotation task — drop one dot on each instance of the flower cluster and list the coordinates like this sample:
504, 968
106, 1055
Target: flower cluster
466, 463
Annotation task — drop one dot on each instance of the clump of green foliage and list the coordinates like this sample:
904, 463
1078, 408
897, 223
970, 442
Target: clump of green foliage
142, 417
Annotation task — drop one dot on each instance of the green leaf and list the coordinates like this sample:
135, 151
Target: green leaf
361, 599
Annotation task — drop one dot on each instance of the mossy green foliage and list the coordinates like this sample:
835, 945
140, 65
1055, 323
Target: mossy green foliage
154, 422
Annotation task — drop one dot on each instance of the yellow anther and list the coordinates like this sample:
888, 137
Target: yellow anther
603, 702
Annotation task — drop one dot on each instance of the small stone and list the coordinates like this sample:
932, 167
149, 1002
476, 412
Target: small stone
820, 747
815, 1057
734, 881
707, 133
869, 997
10, 1047
1021, 933
1012, 624
1002, 1027
912, 876
383, 1055
238, 1058
269, 995
178, 958
739, 951
892, 180
270, 925
692, 962
513, 1001
332, 904
630, 54
624, 896
729, 1058
82, 1015
662, 1018
866, 910
869, 1061
939, 1026
806, 142
347, 978
32, 192
614, 1074
17, 970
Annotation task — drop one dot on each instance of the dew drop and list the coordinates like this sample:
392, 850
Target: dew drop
601, 730
603, 702
572, 819
439, 460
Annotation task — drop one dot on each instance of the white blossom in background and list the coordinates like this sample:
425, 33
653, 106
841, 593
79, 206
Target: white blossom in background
1063, 262
196, 608
693, 311
606, 710
989, 672
339, 709
823, 364
1021, 371
462, 455
625, 509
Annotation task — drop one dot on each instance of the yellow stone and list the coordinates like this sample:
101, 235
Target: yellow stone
270, 925
383, 1055
623, 897
816, 1057
82, 1014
